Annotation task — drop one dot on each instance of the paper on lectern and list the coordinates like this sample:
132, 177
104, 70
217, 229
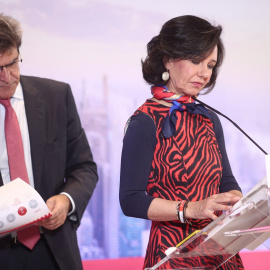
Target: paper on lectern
241, 207
20, 206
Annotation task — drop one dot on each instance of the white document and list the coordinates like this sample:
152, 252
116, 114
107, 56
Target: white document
20, 206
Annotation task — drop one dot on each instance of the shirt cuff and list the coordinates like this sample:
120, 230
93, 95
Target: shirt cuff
73, 208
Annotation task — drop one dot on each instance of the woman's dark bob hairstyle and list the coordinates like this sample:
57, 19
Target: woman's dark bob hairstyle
188, 38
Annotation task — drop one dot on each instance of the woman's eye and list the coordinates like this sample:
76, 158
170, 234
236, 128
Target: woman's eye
195, 62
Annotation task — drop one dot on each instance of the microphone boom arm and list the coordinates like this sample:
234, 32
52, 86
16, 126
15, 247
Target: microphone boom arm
216, 111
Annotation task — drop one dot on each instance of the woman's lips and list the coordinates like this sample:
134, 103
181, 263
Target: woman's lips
197, 84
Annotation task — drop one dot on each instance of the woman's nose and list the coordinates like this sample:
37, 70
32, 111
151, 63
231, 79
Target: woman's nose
203, 71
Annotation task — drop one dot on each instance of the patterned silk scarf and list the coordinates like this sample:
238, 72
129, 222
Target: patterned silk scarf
180, 103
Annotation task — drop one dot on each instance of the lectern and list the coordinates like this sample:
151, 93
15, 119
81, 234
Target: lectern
247, 225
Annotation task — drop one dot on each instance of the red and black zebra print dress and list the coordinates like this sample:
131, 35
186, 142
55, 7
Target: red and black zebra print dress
186, 166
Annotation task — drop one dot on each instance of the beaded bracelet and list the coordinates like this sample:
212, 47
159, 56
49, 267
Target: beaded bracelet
177, 211
185, 207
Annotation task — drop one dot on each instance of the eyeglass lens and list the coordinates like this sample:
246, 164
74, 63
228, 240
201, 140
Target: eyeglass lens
14, 66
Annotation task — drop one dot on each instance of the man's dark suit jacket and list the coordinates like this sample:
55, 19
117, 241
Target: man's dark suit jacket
61, 158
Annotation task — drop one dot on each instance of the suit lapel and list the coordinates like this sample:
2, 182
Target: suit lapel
35, 114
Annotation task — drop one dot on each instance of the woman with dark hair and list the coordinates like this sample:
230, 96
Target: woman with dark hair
174, 168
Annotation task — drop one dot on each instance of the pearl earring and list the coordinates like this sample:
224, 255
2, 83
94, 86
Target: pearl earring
165, 76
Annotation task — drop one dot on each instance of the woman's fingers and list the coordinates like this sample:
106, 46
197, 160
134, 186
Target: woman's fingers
226, 198
205, 209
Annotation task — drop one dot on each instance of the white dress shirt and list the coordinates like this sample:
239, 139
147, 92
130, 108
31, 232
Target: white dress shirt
17, 102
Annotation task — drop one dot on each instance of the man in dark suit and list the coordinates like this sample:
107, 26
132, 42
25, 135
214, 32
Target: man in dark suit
57, 154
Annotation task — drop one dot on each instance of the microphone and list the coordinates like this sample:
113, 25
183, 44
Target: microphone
216, 111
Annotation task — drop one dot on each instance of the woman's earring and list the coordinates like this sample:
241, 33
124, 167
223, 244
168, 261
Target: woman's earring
165, 76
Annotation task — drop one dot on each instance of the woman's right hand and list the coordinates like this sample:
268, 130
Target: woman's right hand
205, 209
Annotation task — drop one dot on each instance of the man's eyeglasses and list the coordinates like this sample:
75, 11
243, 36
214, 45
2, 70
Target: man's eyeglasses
13, 66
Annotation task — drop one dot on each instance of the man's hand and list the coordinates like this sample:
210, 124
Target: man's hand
59, 206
